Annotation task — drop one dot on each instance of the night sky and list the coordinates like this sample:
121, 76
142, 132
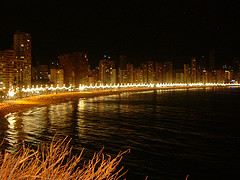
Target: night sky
152, 30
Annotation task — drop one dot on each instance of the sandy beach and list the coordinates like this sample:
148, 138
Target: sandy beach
10, 106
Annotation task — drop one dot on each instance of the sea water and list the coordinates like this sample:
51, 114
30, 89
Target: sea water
171, 133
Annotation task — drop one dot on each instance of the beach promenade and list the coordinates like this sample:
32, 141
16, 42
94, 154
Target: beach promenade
15, 105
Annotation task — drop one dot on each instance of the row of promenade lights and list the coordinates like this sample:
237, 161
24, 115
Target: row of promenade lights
51, 89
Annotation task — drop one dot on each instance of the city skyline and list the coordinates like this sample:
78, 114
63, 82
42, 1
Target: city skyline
16, 69
154, 31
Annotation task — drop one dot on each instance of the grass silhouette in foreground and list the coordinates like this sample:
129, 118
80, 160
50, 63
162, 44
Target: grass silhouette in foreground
55, 161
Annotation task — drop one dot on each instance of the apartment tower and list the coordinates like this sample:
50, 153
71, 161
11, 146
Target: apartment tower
23, 58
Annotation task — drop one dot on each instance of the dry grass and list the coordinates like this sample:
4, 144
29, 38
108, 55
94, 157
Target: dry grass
55, 161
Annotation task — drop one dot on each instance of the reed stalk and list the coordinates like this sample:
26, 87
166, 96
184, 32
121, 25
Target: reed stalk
56, 161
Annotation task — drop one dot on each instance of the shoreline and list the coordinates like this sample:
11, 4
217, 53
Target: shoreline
15, 105
10, 106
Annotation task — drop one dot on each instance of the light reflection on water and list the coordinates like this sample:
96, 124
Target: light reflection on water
170, 133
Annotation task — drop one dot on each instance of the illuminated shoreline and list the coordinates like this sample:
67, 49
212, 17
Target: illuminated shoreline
10, 106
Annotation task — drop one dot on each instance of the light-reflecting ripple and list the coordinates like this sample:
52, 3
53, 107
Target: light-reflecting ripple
171, 133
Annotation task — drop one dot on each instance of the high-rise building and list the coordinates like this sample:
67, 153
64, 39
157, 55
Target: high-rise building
113, 72
75, 67
138, 75
40, 74
204, 76
7, 69
83, 69
57, 77
186, 73
113, 76
120, 76
104, 73
220, 76
194, 70
179, 76
23, 58
167, 72
144, 72
122, 69
125, 76
159, 72
150, 72
111, 64
228, 76
209, 77
236, 70
107, 71
94, 76
130, 69
67, 62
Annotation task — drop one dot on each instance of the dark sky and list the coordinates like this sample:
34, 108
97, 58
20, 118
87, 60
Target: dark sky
174, 30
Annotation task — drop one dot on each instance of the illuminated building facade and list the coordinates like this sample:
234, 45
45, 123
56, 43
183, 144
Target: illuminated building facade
104, 73
204, 76
113, 76
138, 75
220, 76
158, 72
179, 76
236, 70
167, 72
57, 77
144, 72
122, 69
112, 72
228, 76
23, 58
150, 72
130, 70
186, 73
194, 70
107, 71
6, 69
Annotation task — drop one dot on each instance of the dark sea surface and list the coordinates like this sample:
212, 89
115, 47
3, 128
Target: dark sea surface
171, 133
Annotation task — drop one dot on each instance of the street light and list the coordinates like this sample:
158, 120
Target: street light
11, 93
